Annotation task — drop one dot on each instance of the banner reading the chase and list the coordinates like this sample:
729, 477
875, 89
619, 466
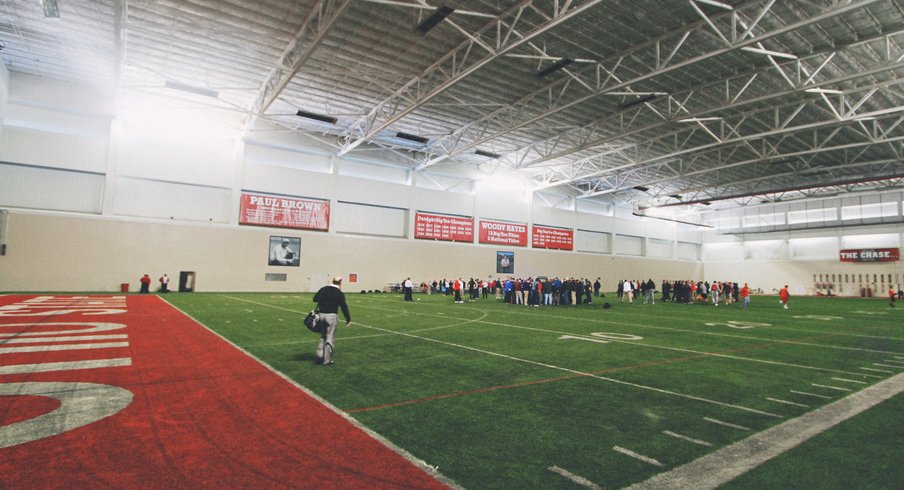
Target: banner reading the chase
503, 233
284, 212
505, 262
870, 255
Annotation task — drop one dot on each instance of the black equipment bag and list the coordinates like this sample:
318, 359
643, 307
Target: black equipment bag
312, 321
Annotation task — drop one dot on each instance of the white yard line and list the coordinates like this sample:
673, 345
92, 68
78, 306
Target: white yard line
850, 380
877, 370
719, 467
686, 438
645, 459
559, 368
786, 402
579, 480
831, 387
810, 394
579, 373
726, 424
886, 365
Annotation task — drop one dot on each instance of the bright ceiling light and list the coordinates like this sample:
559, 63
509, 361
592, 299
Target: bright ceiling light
768, 52
823, 91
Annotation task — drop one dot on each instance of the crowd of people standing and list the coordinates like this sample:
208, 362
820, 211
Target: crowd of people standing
520, 291
545, 291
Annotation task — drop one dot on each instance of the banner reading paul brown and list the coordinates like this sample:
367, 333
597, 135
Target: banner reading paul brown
284, 212
503, 233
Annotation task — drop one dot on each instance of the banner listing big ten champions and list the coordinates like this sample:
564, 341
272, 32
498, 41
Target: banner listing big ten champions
284, 212
553, 238
443, 227
503, 233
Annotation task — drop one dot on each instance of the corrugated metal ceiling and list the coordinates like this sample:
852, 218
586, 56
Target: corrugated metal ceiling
712, 101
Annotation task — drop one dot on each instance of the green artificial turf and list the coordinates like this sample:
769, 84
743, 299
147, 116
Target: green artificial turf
495, 395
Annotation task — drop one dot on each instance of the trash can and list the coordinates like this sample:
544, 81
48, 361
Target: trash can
124, 287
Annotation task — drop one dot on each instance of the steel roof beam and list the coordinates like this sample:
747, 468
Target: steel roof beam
733, 136
695, 103
455, 66
308, 38
620, 76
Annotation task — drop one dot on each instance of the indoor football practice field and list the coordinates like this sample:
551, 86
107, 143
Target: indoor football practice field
509, 396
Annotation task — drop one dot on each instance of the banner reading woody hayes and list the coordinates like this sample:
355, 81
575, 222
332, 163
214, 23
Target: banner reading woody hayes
284, 212
503, 233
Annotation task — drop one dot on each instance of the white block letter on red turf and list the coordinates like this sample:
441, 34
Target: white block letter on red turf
80, 404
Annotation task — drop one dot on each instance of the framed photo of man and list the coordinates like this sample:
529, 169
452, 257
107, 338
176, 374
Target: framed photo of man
285, 251
505, 262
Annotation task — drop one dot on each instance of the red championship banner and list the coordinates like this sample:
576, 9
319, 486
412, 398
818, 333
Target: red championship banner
284, 212
556, 238
870, 255
503, 233
443, 227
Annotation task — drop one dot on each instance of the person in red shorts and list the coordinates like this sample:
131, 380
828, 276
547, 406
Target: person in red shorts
785, 296
891, 296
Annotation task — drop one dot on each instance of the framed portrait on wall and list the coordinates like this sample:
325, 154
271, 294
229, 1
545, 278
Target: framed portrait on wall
505, 262
285, 251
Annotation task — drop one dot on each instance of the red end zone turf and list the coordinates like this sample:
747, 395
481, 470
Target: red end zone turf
127, 392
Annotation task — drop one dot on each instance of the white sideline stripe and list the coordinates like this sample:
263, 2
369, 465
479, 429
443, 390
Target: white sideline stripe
726, 424
878, 370
423, 465
778, 341
579, 373
64, 366
726, 356
786, 402
895, 361
850, 380
686, 438
47, 348
678, 349
886, 365
811, 394
721, 466
641, 457
580, 480
831, 387
550, 366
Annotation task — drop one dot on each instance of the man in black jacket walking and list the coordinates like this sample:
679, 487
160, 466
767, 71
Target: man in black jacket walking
330, 299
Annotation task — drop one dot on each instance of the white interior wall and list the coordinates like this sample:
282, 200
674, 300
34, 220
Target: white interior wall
65, 252
171, 203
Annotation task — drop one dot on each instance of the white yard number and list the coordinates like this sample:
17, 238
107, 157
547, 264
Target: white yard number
739, 325
602, 335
